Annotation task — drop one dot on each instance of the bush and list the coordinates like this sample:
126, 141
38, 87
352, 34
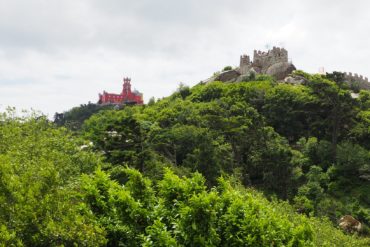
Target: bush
227, 68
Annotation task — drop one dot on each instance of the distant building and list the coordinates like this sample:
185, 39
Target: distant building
322, 71
126, 97
274, 62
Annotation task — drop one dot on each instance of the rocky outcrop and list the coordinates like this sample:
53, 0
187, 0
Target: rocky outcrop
280, 70
247, 76
350, 224
295, 79
228, 76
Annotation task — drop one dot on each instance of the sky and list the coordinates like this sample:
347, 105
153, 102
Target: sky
55, 54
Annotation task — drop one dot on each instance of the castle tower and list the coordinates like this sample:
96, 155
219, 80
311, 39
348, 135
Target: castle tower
245, 64
126, 86
257, 61
322, 71
263, 60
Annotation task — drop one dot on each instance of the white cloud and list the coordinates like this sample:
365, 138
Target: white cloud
58, 54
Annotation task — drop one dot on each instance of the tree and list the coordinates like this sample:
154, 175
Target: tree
313, 190
120, 135
290, 110
337, 106
75, 117
227, 68
151, 101
39, 165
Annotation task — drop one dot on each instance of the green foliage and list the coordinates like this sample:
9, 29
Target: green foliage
50, 196
151, 101
74, 118
313, 189
249, 77
352, 162
307, 144
186, 214
289, 109
120, 135
183, 91
272, 134
262, 77
158, 235
227, 68
361, 131
209, 92
119, 211
38, 165
338, 78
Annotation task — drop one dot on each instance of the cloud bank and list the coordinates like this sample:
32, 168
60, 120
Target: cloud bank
58, 54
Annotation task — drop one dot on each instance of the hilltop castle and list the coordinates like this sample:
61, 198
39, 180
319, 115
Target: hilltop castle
274, 62
125, 97
262, 61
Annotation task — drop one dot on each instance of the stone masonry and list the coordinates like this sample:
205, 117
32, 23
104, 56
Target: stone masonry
357, 80
273, 62
263, 60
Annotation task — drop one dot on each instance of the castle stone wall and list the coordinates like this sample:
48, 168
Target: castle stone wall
273, 62
356, 80
263, 60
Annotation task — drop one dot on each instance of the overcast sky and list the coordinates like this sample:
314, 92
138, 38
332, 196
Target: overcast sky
56, 54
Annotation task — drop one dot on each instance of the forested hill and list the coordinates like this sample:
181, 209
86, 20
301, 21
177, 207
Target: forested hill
255, 163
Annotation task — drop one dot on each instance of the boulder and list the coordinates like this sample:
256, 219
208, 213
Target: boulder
350, 224
247, 76
295, 79
228, 76
280, 70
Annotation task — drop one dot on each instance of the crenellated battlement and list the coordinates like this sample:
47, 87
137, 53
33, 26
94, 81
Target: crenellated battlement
263, 60
357, 80
355, 77
275, 59
245, 59
275, 52
245, 64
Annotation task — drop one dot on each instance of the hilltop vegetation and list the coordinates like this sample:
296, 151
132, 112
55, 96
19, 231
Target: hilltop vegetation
255, 163
52, 193
308, 143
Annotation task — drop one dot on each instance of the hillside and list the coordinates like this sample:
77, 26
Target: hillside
253, 163
306, 143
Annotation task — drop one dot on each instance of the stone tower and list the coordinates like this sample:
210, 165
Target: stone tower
263, 60
245, 64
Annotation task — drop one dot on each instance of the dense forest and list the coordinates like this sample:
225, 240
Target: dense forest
255, 163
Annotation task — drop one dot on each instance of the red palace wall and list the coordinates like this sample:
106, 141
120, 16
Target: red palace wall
126, 96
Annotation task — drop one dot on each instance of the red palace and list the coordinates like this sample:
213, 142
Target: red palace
125, 97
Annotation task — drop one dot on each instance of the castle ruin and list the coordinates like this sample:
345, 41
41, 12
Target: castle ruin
263, 60
355, 80
245, 64
274, 62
